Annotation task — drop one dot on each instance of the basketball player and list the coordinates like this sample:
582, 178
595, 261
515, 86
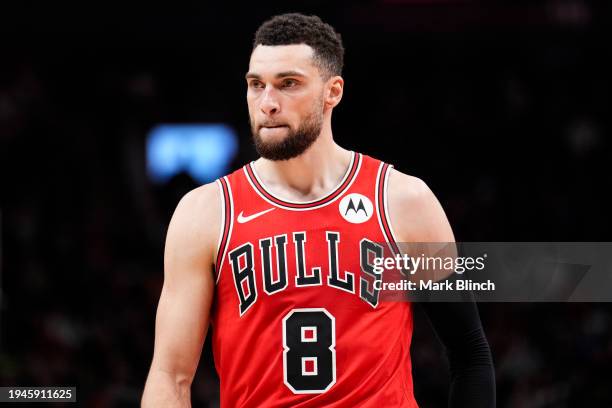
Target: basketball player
275, 257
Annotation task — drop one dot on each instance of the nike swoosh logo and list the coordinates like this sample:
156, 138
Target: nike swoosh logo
242, 219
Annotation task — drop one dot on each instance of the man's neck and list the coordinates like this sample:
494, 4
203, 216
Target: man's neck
309, 176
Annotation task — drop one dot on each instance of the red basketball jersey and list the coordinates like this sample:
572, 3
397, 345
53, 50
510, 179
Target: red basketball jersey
296, 319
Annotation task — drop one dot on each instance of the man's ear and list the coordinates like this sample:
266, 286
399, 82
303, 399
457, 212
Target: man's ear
334, 90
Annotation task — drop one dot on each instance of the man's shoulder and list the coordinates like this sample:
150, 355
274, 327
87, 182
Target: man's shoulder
201, 197
406, 188
415, 211
401, 187
196, 220
200, 208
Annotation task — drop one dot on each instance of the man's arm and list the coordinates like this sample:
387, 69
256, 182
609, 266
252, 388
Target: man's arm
184, 306
417, 216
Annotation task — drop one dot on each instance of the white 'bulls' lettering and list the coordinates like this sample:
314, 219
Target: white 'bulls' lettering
243, 268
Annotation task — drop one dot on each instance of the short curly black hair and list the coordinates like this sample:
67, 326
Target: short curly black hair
296, 28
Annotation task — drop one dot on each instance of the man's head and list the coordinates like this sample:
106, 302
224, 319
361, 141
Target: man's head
293, 83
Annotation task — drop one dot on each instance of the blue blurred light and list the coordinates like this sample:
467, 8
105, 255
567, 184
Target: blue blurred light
205, 151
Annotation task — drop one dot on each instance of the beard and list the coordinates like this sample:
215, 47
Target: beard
295, 142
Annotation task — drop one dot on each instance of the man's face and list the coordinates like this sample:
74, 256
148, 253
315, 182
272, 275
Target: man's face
285, 98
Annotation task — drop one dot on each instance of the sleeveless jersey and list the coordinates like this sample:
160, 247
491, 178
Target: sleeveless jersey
296, 318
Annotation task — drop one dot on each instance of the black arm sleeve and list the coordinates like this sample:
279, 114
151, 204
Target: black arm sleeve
457, 325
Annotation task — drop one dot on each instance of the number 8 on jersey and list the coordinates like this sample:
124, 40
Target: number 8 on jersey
309, 357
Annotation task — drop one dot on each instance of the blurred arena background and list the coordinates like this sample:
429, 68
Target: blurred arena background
502, 107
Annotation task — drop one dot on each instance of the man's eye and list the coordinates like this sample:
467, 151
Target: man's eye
289, 83
256, 84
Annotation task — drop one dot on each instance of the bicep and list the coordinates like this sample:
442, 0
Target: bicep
181, 325
420, 224
184, 306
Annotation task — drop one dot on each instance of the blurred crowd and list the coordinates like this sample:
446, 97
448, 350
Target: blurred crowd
509, 128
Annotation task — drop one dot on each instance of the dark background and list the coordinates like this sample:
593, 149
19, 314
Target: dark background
502, 107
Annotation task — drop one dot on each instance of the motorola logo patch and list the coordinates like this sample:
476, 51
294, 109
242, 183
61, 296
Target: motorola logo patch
356, 208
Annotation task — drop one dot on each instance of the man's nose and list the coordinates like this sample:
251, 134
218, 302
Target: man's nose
269, 101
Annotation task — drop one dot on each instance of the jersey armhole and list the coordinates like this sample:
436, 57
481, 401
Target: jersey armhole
382, 207
225, 229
